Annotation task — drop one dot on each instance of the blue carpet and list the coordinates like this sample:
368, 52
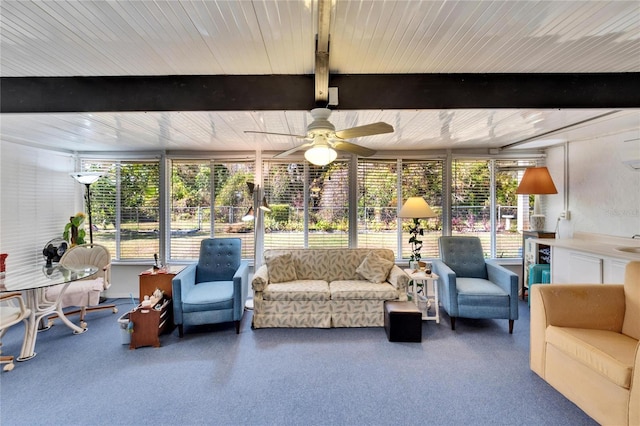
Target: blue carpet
476, 375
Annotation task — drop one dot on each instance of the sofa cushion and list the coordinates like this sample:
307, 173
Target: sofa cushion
281, 268
374, 268
297, 290
609, 353
361, 290
79, 293
209, 296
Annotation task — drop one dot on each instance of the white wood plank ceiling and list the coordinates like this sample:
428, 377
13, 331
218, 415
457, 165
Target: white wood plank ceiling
247, 37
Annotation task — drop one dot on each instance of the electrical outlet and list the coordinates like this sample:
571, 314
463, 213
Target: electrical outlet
565, 215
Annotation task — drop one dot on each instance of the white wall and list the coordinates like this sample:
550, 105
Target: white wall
603, 194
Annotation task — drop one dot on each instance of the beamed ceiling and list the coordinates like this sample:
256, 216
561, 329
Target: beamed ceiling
178, 76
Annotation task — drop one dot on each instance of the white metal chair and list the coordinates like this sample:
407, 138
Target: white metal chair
12, 311
85, 294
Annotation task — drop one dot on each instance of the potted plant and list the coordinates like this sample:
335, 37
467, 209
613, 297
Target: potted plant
72, 231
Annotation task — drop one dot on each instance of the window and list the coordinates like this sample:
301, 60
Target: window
378, 197
512, 213
192, 188
471, 201
378, 204
306, 197
231, 201
284, 188
125, 206
472, 211
329, 205
310, 205
190, 207
423, 179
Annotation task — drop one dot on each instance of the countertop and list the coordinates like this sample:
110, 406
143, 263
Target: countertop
602, 245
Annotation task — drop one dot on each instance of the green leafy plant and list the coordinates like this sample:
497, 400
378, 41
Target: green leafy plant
72, 231
415, 231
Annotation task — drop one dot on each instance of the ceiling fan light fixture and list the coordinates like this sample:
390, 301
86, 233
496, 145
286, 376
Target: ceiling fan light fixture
321, 155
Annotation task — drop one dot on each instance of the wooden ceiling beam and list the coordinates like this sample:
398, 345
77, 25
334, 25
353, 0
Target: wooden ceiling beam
296, 92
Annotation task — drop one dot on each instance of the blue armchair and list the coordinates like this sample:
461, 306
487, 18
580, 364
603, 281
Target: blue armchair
214, 290
471, 286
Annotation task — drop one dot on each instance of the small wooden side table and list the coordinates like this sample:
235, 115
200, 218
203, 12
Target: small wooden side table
425, 279
150, 323
162, 278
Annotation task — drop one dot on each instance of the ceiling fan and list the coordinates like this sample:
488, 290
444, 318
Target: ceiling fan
324, 140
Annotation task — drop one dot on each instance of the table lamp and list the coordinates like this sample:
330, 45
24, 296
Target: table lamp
416, 208
536, 181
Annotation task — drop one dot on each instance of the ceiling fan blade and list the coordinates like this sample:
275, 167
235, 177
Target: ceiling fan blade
353, 148
292, 150
277, 134
366, 130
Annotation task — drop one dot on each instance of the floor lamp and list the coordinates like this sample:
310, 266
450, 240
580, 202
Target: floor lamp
253, 215
87, 178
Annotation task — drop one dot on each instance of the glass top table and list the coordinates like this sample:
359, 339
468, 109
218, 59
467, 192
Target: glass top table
33, 281
42, 276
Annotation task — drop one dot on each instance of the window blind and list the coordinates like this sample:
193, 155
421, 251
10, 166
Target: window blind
423, 179
190, 207
231, 202
328, 213
378, 204
126, 207
37, 199
511, 213
284, 188
471, 192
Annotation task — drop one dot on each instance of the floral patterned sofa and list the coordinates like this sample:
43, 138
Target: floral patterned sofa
325, 288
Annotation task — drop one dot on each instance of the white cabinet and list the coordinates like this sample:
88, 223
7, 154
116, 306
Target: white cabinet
584, 269
576, 267
613, 272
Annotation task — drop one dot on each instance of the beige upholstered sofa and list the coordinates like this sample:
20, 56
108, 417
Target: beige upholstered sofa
325, 288
584, 343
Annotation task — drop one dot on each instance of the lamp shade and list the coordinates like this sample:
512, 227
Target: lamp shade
251, 187
265, 206
249, 216
86, 178
536, 180
416, 208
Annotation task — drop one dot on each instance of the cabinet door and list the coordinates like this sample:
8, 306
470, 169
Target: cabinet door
614, 271
584, 269
560, 260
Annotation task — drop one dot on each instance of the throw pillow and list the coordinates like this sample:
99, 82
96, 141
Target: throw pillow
281, 269
375, 268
